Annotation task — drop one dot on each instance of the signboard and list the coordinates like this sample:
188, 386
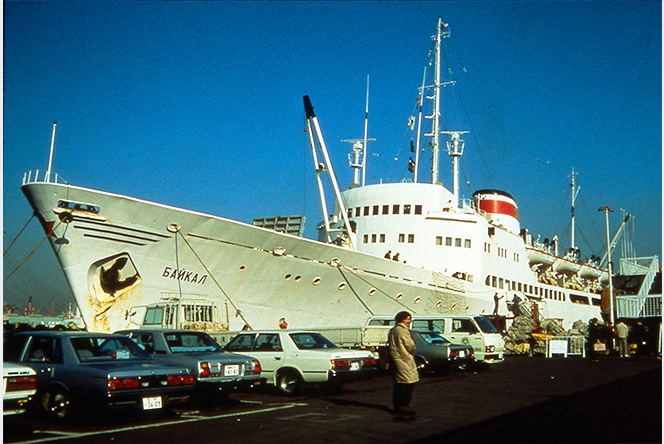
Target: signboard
556, 347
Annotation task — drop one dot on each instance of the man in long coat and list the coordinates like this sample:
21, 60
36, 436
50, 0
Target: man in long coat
402, 360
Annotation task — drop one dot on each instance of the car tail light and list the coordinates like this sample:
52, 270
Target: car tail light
370, 362
471, 351
18, 383
490, 348
454, 353
204, 369
257, 368
340, 363
124, 383
181, 379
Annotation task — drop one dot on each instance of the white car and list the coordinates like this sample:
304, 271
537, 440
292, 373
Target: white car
290, 358
20, 385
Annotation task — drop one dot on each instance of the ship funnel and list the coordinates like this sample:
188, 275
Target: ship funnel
500, 206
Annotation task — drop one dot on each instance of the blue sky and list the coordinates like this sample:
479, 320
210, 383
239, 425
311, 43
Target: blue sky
199, 105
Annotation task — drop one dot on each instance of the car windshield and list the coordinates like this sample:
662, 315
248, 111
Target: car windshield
309, 341
190, 342
103, 348
432, 337
485, 324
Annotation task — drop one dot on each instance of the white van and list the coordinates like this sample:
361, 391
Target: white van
476, 331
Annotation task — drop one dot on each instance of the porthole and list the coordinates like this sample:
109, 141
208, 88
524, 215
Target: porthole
372, 292
342, 286
297, 278
417, 300
288, 276
316, 281
242, 268
439, 303
399, 296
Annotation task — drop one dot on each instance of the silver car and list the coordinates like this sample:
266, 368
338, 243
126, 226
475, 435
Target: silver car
217, 371
80, 369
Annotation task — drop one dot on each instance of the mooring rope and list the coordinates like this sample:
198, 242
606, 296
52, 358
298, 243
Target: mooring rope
237, 311
355, 293
35, 249
19, 233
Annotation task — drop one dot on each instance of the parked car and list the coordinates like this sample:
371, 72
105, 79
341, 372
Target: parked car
217, 371
79, 369
290, 359
20, 385
435, 353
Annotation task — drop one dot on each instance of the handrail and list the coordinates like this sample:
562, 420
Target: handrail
55, 178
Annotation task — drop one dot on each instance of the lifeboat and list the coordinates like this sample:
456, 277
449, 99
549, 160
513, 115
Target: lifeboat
539, 257
566, 267
589, 272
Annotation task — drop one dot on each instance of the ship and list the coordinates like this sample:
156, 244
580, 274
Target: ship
384, 248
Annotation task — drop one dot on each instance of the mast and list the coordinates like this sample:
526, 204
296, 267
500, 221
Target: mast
435, 144
575, 192
50, 156
366, 124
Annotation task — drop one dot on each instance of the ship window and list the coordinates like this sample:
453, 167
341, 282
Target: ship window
375, 210
466, 243
402, 237
494, 281
411, 238
153, 316
457, 242
357, 211
366, 211
382, 238
519, 286
500, 283
448, 241
386, 209
365, 239
373, 238
350, 212
78, 206
395, 209
418, 209
531, 289
406, 209
578, 299
439, 240
487, 282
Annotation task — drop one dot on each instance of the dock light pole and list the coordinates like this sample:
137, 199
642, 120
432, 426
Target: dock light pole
608, 210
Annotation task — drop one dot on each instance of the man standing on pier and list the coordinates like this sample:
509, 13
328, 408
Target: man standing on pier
402, 360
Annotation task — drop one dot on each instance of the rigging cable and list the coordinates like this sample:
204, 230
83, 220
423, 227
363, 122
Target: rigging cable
378, 289
237, 310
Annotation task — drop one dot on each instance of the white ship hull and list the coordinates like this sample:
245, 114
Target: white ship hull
257, 276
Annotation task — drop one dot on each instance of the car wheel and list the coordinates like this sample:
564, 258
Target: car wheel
289, 383
56, 402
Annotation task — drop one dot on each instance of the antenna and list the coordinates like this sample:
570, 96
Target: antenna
366, 123
50, 157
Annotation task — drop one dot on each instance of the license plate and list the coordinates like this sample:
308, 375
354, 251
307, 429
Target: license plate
152, 403
232, 370
462, 354
355, 365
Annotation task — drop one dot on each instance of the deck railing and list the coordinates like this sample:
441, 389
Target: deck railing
33, 177
640, 306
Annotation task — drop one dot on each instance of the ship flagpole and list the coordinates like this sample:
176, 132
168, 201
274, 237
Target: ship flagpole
50, 156
419, 128
366, 129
